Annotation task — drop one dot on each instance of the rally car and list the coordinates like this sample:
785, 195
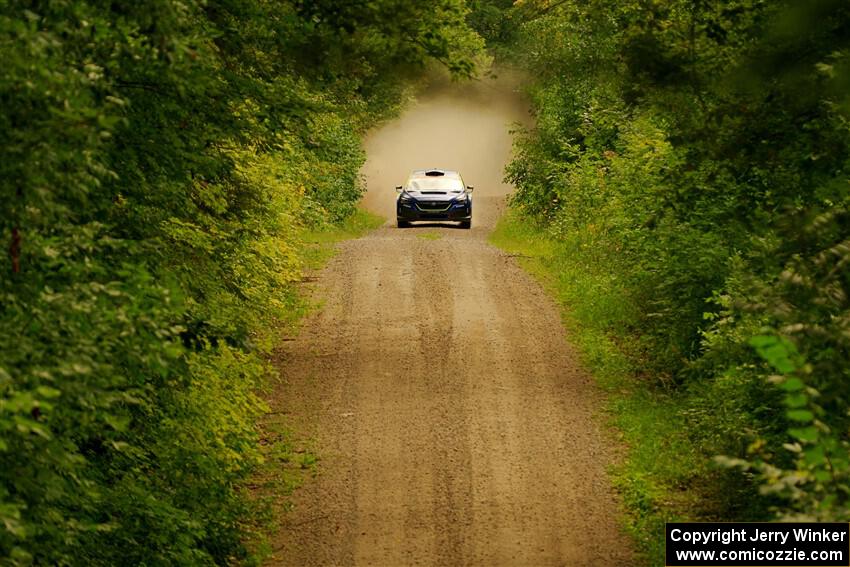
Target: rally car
434, 194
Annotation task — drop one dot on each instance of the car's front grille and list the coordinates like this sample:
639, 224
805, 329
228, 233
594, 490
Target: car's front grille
433, 205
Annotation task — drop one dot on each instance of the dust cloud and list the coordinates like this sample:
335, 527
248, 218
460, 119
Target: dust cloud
465, 126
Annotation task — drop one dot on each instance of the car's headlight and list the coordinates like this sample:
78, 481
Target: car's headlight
462, 198
405, 198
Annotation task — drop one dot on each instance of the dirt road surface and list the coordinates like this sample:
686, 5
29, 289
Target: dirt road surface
452, 420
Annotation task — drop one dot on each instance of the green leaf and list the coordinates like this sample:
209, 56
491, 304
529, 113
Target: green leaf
796, 400
822, 475
48, 392
117, 422
808, 434
777, 351
801, 415
814, 455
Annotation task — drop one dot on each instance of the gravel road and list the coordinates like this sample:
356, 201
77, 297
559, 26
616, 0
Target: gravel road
452, 419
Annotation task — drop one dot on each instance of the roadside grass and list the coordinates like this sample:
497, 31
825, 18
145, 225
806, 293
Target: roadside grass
659, 474
318, 246
289, 457
319, 243
288, 460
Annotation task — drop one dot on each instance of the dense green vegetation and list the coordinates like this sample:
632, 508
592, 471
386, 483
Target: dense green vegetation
159, 163
688, 174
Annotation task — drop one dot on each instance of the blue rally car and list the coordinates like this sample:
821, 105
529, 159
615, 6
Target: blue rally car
434, 194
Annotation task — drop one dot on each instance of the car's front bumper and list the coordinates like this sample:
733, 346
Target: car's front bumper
414, 211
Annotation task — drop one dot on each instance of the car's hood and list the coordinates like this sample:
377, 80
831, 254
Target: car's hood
433, 195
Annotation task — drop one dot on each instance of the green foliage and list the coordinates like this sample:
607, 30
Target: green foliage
495, 22
160, 164
692, 157
815, 480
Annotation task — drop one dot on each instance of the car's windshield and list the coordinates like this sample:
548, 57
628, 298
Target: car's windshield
434, 184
